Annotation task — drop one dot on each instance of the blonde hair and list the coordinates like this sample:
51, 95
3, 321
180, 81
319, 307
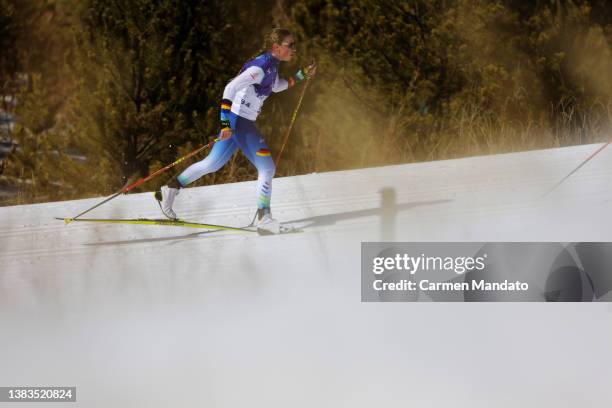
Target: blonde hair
275, 37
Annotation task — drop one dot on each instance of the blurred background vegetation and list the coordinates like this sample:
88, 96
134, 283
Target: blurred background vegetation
97, 93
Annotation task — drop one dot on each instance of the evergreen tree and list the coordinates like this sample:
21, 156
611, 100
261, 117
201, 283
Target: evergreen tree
38, 84
8, 33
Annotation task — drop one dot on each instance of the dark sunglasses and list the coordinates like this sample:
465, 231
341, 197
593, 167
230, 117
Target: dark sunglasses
290, 45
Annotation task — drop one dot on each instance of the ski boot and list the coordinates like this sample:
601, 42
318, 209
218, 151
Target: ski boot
265, 223
165, 199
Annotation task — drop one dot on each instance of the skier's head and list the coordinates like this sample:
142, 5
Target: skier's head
281, 44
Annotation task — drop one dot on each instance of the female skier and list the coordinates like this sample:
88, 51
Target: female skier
242, 100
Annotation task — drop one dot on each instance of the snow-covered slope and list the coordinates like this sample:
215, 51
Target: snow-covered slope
163, 316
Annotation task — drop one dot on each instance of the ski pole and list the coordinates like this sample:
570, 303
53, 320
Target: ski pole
135, 184
278, 156
576, 169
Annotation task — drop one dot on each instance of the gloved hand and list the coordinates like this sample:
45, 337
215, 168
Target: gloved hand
310, 70
306, 72
225, 134
226, 131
